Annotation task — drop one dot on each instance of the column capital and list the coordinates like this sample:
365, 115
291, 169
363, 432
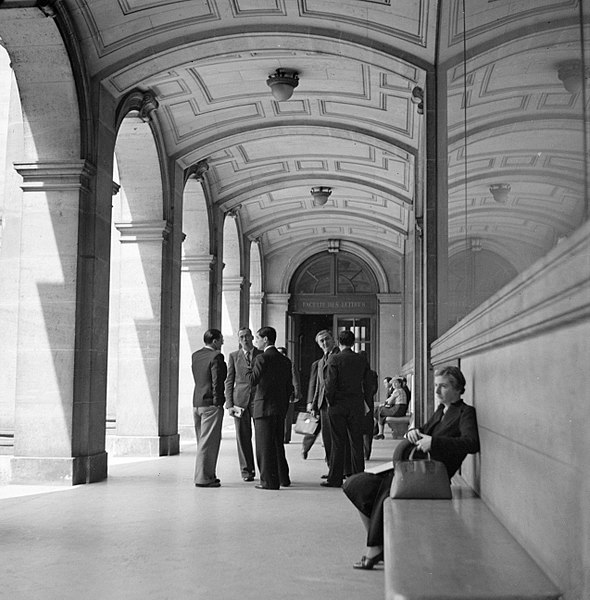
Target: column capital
233, 284
201, 262
55, 175
279, 299
143, 231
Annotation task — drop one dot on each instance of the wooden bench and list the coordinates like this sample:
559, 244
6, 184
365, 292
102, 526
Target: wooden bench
456, 549
398, 425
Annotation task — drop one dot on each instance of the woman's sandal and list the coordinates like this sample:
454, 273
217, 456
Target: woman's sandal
367, 563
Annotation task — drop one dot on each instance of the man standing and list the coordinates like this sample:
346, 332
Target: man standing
316, 396
239, 399
209, 372
348, 392
271, 374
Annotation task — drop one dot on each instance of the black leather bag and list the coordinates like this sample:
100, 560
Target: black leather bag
306, 424
420, 479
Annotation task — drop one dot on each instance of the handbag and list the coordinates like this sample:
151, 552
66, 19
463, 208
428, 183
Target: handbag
420, 479
306, 424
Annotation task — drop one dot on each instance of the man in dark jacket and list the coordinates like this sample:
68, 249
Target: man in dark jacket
272, 375
348, 392
209, 372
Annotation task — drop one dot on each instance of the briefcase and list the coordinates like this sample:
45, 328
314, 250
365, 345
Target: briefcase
306, 424
420, 479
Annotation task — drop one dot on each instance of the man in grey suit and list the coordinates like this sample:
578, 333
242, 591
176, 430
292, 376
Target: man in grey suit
316, 394
209, 372
271, 374
239, 399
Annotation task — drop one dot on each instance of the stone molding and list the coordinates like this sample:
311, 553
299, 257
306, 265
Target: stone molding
203, 262
55, 175
143, 231
395, 298
552, 293
279, 299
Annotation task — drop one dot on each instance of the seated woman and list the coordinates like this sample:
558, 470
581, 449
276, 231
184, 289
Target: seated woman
396, 405
449, 435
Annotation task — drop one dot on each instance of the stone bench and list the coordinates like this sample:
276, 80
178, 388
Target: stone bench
398, 425
456, 549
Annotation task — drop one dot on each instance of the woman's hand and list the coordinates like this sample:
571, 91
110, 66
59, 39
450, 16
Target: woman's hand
424, 443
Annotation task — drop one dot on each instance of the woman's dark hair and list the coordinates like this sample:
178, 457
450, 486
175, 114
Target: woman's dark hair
453, 373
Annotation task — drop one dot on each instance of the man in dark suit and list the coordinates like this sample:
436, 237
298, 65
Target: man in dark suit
209, 372
316, 393
348, 392
271, 374
239, 400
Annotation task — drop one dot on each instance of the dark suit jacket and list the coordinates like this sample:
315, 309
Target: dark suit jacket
238, 389
454, 437
348, 383
209, 372
272, 375
316, 391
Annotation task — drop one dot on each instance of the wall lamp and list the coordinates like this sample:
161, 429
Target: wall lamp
500, 192
418, 99
572, 74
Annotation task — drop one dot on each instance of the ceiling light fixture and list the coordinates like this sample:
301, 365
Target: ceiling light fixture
282, 83
418, 99
500, 192
320, 195
572, 74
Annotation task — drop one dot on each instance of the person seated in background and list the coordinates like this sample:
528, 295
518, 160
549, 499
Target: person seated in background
448, 436
396, 405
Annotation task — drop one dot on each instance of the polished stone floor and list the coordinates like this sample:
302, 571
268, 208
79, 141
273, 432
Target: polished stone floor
148, 533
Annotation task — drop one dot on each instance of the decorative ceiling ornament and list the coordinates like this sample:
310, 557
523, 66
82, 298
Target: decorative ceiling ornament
320, 195
282, 83
500, 192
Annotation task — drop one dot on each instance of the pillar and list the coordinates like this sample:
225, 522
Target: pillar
275, 315
390, 336
59, 414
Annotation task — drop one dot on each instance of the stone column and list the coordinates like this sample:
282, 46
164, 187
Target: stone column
275, 315
231, 315
59, 420
256, 299
139, 319
194, 321
390, 336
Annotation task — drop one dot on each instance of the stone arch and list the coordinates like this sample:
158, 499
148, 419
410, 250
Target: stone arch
197, 264
352, 248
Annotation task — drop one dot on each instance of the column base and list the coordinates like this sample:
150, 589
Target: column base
57, 470
140, 445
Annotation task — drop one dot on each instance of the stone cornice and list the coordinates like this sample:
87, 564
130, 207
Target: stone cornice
394, 298
54, 176
552, 293
144, 231
277, 298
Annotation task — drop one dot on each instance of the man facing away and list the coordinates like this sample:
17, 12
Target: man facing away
239, 399
316, 395
348, 392
271, 374
209, 372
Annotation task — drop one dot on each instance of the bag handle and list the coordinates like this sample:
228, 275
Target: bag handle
411, 455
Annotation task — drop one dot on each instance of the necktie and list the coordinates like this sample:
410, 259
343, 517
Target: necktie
248, 358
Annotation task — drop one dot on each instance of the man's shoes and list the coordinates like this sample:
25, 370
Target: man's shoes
248, 478
215, 483
325, 476
286, 484
264, 487
304, 454
379, 436
328, 484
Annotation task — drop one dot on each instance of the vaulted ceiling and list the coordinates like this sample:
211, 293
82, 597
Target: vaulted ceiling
351, 124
